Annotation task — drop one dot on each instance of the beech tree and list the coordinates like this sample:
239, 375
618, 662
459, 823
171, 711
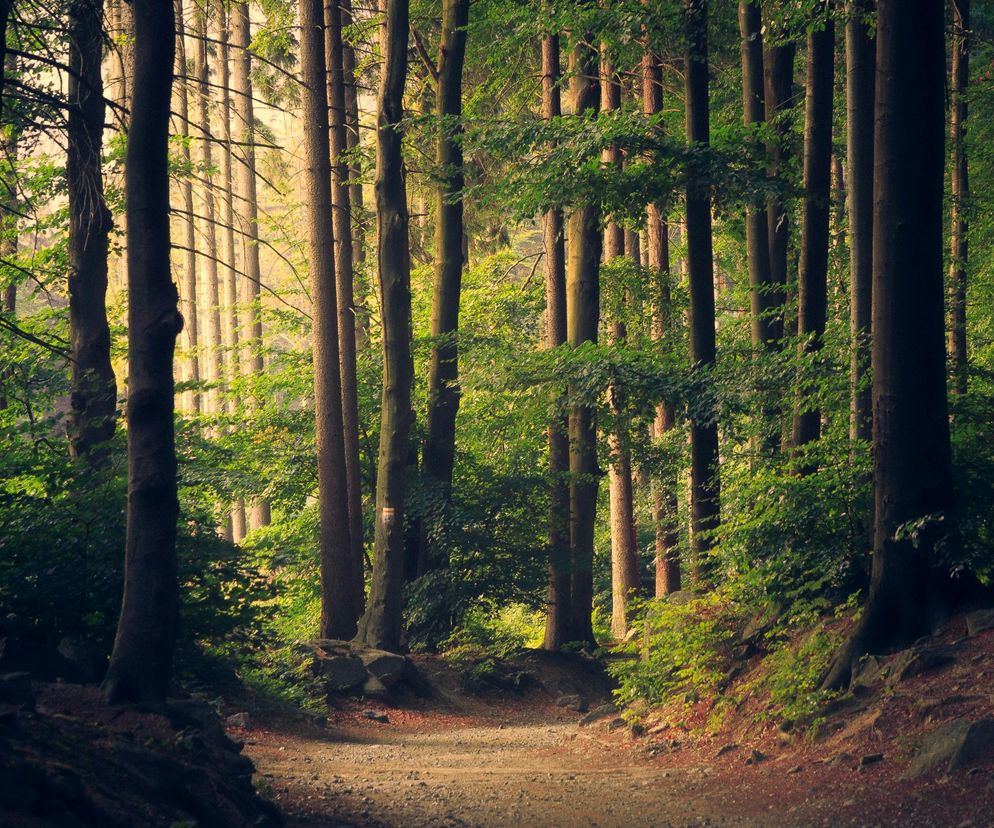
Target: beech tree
960, 183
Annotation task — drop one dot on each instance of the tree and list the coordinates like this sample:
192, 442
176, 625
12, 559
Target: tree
438, 456
93, 401
141, 662
960, 182
705, 503
380, 626
912, 476
812, 291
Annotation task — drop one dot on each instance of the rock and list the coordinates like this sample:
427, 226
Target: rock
373, 688
957, 744
979, 621
724, 749
87, 658
376, 716
388, 668
341, 673
602, 711
866, 672
240, 720
574, 702
616, 724
755, 757
680, 597
919, 660
795, 769
870, 759
15, 688
43, 662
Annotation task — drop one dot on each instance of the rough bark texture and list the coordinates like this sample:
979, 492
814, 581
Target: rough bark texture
93, 399
380, 626
860, 69
141, 661
704, 475
582, 320
812, 293
438, 456
557, 619
912, 476
345, 279
959, 179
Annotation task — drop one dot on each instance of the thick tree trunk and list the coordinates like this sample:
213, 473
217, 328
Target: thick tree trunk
812, 294
582, 320
93, 399
141, 663
380, 626
912, 477
860, 68
664, 499
960, 182
557, 619
705, 509
345, 277
438, 456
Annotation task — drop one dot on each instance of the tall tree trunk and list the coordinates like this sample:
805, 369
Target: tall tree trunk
812, 293
5, 7
705, 504
912, 477
141, 662
345, 276
582, 320
252, 362
557, 619
93, 401
208, 231
380, 626
341, 605
959, 223
860, 68
9, 140
438, 456
664, 499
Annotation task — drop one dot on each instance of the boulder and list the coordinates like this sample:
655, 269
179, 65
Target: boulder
43, 662
979, 621
375, 689
574, 702
603, 711
15, 688
919, 660
388, 668
341, 673
866, 672
239, 720
956, 745
87, 658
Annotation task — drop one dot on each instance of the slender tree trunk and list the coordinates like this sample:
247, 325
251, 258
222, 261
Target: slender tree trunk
93, 399
380, 626
438, 456
705, 504
959, 176
582, 320
557, 619
141, 663
912, 477
860, 68
345, 276
9, 140
341, 604
812, 295
5, 7
664, 499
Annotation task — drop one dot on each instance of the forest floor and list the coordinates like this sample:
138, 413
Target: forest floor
466, 760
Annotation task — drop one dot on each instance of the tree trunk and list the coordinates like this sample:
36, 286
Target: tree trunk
557, 619
5, 7
141, 662
380, 626
345, 276
93, 399
960, 182
582, 320
664, 499
812, 293
705, 508
438, 456
912, 477
860, 67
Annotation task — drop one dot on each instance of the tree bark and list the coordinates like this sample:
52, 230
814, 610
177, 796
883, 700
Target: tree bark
912, 476
93, 399
705, 501
380, 626
141, 662
960, 182
438, 455
812, 295
582, 320
557, 619
345, 276
860, 85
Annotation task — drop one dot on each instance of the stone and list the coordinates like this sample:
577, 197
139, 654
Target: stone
956, 745
870, 759
239, 720
725, 749
376, 716
680, 597
979, 621
755, 757
795, 769
388, 668
574, 702
919, 660
616, 724
15, 688
87, 658
42, 661
866, 672
373, 688
341, 673
602, 711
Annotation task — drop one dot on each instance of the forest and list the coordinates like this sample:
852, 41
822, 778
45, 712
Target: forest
396, 366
